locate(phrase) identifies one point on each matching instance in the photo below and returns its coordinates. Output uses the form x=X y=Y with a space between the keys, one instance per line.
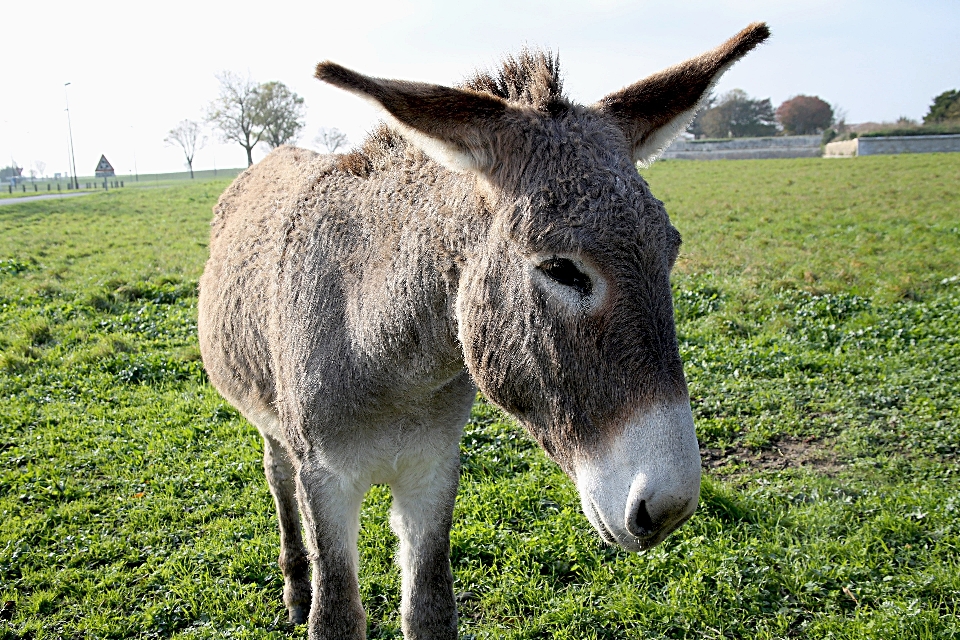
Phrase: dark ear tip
x=326 y=70
x=342 y=77
x=756 y=32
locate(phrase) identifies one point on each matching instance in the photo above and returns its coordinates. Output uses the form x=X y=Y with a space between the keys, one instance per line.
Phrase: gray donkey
x=493 y=236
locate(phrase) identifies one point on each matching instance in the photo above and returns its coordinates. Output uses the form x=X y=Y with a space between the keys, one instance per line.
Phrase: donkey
x=493 y=236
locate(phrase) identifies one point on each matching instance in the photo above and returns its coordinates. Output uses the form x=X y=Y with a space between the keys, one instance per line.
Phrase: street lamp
x=73 y=162
x=133 y=137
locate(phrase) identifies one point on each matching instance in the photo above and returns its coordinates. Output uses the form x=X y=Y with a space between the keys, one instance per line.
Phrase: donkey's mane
x=531 y=77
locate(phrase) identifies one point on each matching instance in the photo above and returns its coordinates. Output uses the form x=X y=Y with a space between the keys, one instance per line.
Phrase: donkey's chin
x=646 y=481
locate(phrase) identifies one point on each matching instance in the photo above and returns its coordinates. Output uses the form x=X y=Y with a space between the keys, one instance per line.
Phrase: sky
x=137 y=69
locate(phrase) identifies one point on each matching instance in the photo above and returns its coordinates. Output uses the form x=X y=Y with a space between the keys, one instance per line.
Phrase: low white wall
x=841 y=149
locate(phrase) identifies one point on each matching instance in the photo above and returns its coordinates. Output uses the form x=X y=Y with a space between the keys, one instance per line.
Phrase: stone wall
x=745 y=148
x=893 y=145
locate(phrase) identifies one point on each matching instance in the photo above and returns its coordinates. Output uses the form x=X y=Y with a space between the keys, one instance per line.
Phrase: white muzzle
x=647 y=482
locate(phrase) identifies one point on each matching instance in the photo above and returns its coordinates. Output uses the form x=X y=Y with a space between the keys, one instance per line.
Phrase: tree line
x=737 y=115
x=250 y=113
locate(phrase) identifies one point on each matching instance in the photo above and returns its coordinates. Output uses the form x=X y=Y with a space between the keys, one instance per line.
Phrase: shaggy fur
x=352 y=305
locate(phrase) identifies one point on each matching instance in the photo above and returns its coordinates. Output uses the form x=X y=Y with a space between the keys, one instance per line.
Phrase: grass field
x=818 y=309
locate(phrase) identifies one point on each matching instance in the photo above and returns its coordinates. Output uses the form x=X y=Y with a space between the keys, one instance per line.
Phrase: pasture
x=818 y=306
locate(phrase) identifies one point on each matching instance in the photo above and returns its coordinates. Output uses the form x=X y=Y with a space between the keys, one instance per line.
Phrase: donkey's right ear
x=455 y=127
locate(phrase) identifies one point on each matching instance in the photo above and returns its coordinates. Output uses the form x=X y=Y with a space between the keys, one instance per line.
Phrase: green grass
x=818 y=304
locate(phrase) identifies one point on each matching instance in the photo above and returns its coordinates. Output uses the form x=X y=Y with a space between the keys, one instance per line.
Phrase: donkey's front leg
x=330 y=509
x=421 y=516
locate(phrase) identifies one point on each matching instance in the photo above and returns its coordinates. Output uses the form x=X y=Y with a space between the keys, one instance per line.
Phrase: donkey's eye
x=566 y=273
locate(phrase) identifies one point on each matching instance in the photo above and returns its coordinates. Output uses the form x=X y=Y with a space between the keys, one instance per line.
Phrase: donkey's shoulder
x=275 y=184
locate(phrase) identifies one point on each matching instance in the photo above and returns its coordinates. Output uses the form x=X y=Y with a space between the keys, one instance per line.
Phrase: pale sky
x=136 y=70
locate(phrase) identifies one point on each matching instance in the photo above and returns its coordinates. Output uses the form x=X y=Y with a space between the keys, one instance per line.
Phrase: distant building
x=104 y=168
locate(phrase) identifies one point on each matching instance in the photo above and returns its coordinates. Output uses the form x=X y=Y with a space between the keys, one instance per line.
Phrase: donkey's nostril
x=641 y=524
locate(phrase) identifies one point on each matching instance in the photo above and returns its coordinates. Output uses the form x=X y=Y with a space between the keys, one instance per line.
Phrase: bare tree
x=235 y=112
x=280 y=112
x=187 y=135
x=331 y=139
x=40 y=166
x=696 y=127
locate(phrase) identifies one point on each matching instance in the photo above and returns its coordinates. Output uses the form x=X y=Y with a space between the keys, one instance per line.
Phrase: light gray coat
x=496 y=236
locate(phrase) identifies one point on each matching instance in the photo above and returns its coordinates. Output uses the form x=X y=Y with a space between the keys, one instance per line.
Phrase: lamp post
x=73 y=162
x=133 y=138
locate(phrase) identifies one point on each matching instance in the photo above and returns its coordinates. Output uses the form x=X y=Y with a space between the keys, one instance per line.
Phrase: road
x=46 y=196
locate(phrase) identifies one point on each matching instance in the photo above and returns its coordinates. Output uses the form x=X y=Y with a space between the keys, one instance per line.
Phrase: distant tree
x=736 y=115
x=235 y=112
x=331 y=139
x=946 y=106
x=13 y=171
x=40 y=166
x=696 y=127
x=804 y=115
x=280 y=113
x=187 y=135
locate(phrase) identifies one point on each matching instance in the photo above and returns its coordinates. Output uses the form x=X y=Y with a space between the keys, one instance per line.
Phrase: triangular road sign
x=104 y=168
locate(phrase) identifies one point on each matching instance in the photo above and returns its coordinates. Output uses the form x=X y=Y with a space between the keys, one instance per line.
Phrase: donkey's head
x=564 y=310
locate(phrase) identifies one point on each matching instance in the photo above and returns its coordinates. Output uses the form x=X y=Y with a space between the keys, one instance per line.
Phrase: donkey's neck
x=418 y=225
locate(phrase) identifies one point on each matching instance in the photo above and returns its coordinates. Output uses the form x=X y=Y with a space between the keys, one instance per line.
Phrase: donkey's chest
x=405 y=450
x=400 y=442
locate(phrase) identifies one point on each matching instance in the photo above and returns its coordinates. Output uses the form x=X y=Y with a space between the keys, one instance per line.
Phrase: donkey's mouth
x=599 y=524
x=630 y=543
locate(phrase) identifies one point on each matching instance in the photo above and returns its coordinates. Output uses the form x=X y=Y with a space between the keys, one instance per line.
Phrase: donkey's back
x=239 y=284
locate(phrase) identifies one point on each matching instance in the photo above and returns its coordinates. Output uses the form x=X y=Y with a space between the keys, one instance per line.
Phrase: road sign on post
x=104 y=168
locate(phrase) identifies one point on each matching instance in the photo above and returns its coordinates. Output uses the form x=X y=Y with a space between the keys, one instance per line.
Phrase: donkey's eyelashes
x=563 y=271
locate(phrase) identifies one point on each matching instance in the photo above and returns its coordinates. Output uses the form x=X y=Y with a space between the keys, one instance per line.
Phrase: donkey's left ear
x=456 y=127
x=655 y=110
